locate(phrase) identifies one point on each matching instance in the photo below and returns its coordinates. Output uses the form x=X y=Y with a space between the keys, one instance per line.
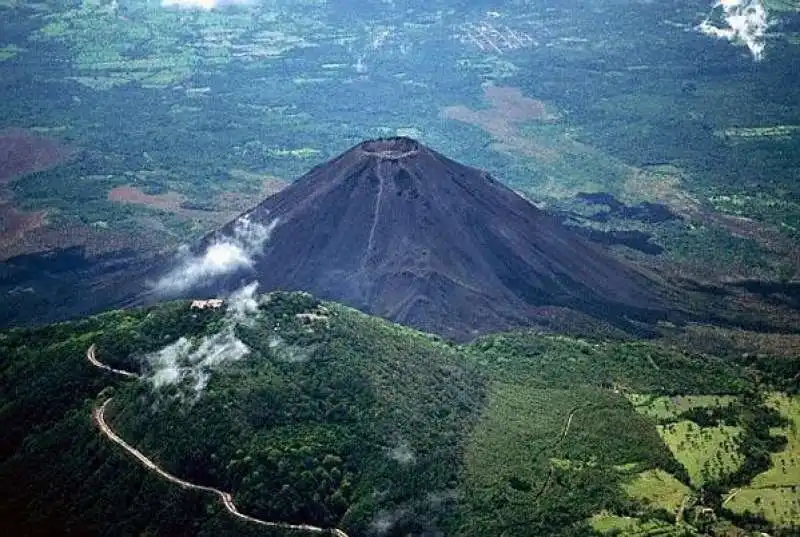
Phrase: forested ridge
x=337 y=419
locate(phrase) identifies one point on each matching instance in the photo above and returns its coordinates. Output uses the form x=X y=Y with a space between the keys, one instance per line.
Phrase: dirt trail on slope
x=561 y=438
x=550 y=471
x=98 y=415
x=568 y=424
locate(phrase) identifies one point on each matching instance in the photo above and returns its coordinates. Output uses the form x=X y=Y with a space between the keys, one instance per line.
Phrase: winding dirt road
x=98 y=415
x=90 y=355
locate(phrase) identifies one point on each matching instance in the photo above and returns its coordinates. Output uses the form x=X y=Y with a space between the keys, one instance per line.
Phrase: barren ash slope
x=396 y=229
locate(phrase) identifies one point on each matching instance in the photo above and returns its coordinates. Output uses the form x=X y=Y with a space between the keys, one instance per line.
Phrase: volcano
x=395 y=229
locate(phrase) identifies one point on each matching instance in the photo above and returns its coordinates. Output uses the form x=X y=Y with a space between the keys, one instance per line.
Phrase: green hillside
x=313 y=413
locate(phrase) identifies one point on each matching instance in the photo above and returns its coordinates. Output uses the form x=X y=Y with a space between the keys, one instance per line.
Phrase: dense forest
x=314 y=413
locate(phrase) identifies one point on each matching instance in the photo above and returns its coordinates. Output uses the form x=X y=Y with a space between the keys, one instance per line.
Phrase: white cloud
x=223 y=256
x=212 y=351
x=165 y=363
x=402 y=453
x=202 y=4
x=187 y=362
x=386 y=520
x=742 y=21
x=243 y=304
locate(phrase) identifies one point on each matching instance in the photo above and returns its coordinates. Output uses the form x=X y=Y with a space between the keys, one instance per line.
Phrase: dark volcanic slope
x=398 y=230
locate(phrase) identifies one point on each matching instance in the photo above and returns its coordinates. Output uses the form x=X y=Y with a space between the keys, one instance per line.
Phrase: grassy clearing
x=657 y=488
x=607 y=523
x=707 y=453
x=668 y=408
x=785 y=470
x=775 y=493
x=781 y=506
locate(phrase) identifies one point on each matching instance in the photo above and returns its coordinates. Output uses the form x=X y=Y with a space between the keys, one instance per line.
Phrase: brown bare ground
x=14 y=224
x=393 y=244
x=95 y=241
x=22 y=152
x=509 y=108
x=171 y=201
x=27 y=233
x=227 y=205
x=515 y=106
